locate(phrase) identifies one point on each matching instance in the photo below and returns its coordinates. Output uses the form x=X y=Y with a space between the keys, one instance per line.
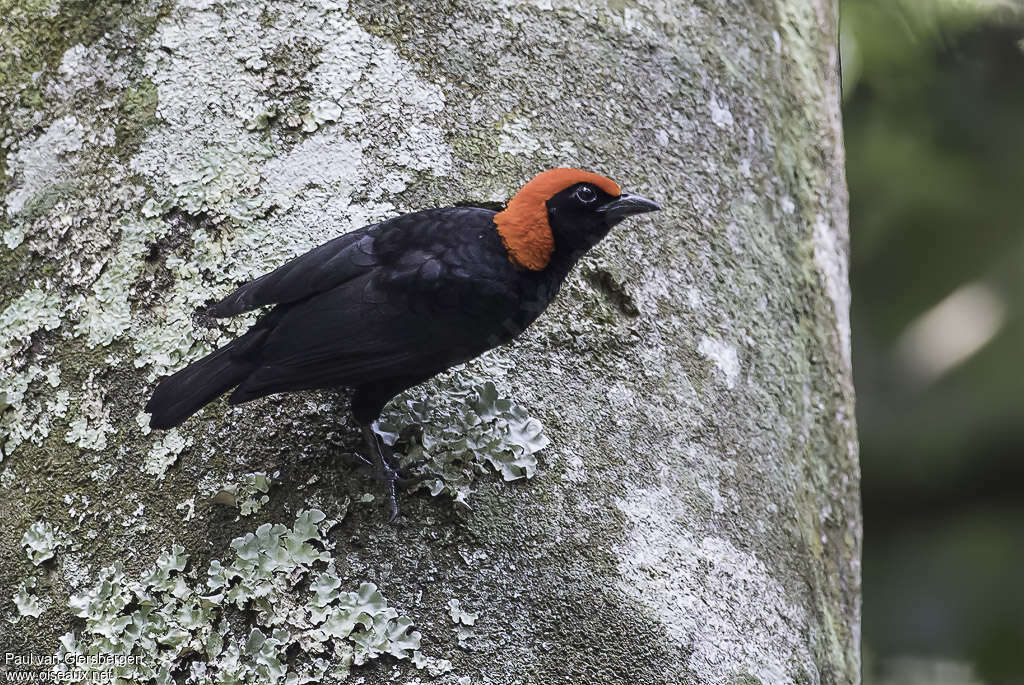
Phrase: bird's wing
x=320 y=269
x=349 y=256
x=429 y=306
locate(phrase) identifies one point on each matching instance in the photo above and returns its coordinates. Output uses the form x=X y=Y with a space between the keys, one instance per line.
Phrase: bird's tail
x=181 y=395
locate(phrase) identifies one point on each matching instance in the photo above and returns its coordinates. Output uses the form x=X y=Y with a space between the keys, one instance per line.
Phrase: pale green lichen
x=28 y=603
x=165 y=452
x=27 y=412
x=90 y=425
x=224 y=179
x=464 y=431
x=433 y=665
x=234 y=165
x=515 y=138
x=41 y=163
x=459 y=616
x=40 y=542
x=320 y=113
x=249 y=494
x=306 y=627
x=107 y=313
x=464 y=622
x=86 y=436
x=36 y=309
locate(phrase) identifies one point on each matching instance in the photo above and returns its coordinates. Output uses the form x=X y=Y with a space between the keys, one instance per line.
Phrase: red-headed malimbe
x=388 y=306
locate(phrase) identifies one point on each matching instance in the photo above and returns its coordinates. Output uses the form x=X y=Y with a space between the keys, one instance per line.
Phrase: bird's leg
x=388 y=469
x=385 y=464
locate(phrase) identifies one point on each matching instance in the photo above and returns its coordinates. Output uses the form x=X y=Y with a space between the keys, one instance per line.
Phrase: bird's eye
x=586 y=194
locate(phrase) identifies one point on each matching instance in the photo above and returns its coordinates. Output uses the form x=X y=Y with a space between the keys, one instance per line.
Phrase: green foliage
x=934 y=142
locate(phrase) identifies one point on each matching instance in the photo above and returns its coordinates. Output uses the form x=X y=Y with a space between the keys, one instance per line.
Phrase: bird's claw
x=363 y=459
x=394 y=501
x=410 y=480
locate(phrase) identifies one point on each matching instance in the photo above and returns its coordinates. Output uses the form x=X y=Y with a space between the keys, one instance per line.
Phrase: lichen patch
x=703 y=592
x=830 y=258
x=27 y=602
x=41 y=163
x=40 y=542
x=217 y=162
x=307 y=627
x=466 y=430
x=34 y=310
x=164 y=452
x=724 y=357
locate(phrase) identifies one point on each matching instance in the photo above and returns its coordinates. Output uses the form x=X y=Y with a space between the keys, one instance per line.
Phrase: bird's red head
x=565 y=196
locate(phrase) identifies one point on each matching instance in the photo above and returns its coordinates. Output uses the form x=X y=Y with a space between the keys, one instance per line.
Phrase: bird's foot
x=409 y=480
x=386 y=467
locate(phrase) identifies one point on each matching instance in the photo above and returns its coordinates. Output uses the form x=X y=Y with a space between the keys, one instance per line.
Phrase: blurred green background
x=934 y=121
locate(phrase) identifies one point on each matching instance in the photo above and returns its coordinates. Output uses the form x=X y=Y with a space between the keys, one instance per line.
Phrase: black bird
x=391 y=305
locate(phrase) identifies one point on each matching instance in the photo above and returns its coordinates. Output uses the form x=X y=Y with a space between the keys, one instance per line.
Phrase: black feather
x=184 y=393
x=379 y=310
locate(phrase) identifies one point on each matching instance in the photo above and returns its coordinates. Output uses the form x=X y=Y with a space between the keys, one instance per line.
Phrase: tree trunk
x=658 y=481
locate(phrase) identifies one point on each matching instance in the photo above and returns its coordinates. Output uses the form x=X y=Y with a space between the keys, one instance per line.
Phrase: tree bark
x=660 y=480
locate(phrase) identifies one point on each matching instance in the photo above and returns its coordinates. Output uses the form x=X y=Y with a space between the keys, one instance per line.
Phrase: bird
x=386 y=307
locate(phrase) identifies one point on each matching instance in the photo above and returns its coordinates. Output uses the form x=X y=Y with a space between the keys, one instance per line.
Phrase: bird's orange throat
x=523 y=225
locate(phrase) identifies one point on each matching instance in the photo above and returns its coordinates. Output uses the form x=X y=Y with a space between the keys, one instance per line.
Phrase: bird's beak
x=628 y=204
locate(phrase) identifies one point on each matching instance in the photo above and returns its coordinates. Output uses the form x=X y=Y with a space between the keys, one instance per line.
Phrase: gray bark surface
x=689 y=512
